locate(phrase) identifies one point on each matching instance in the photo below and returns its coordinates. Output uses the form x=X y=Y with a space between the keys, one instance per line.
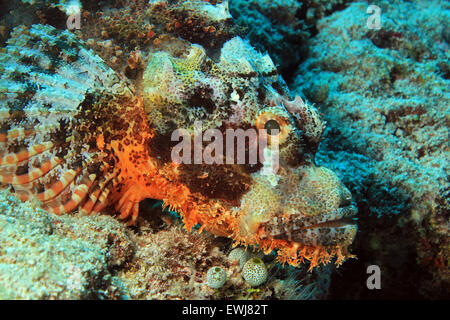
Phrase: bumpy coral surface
x=385 y=95
x=255 y=272
x=78 y=135
x=282 y=27
x=216 y=277
x=173 y=263
x=43 y=256
x=273 y=26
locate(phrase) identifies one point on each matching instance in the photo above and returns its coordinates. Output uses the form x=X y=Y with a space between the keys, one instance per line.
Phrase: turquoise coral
x=387 y=109
x=216 y=277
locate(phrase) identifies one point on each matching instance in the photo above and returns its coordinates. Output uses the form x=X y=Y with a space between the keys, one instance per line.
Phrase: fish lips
x=338 y=227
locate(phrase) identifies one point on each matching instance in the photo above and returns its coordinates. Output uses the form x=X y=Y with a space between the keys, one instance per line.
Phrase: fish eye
x=272 y=127
x=276 y=122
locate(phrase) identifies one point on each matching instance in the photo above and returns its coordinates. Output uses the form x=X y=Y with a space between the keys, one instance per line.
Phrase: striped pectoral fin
x=78 y=195
x=58 y=187
x=102 y=201
x=12 y=159
x=20 y=134
x=34 y=174
x=26 y=192
x=97 y=193
x=13 y=134
x=91 y=201
x=71 y=191
x=23 y=192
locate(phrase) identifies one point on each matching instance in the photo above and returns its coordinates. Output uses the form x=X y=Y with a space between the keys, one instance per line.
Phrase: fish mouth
x=336 y=227
x=345 y=216
x=339 y=223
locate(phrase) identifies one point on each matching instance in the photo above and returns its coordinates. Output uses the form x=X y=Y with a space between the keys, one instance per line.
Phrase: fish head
x=280 y=198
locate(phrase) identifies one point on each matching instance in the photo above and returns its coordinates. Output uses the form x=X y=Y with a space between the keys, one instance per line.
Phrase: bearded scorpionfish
x=77 y=135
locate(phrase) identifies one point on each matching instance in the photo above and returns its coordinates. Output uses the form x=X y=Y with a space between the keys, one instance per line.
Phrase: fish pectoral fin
x=128 y=204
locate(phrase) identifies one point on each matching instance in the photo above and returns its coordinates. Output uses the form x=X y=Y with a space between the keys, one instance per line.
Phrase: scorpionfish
x=76 y=135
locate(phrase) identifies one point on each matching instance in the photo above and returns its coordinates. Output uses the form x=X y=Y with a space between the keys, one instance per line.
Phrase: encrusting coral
x=385 y=95
x=43 y=256
x=77 y=135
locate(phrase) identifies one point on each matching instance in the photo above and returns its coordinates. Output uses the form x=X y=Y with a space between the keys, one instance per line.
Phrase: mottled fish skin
x=76 y=136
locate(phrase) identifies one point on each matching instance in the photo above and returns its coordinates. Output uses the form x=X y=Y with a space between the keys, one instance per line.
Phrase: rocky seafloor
x=385 y=96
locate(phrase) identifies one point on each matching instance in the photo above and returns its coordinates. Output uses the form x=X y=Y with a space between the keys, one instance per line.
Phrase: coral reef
x=43 y=256
x=282 y=27
x=173 y=264
x=273 y=26
x=385 y=98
